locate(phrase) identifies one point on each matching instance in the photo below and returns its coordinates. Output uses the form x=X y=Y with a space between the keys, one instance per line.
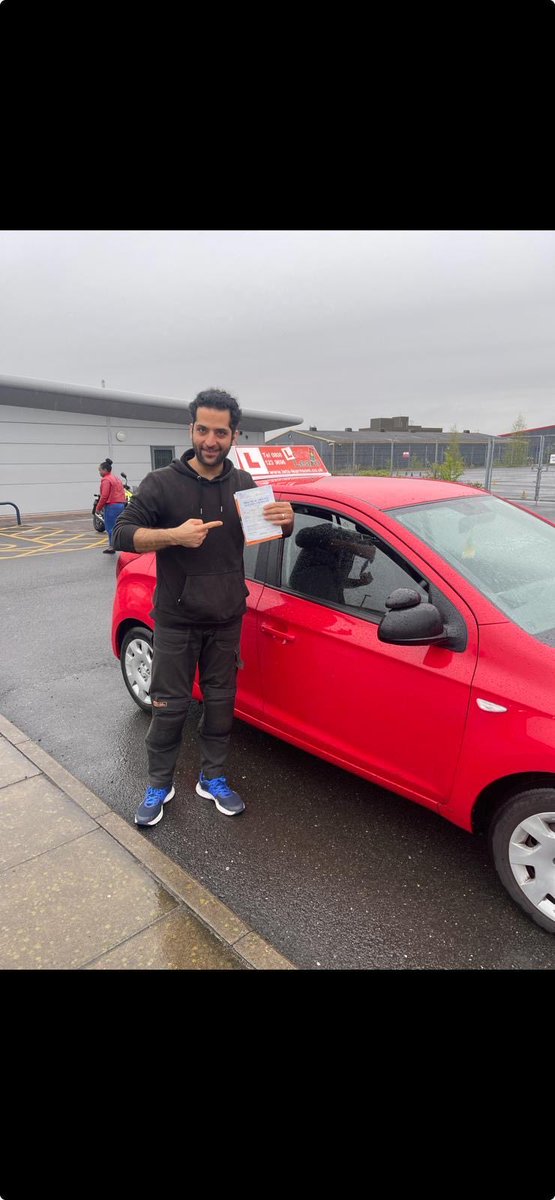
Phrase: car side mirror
x=410 y=622
x=403 y=598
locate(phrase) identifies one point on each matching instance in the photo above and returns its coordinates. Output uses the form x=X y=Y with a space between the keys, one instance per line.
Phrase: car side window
x=336 y=561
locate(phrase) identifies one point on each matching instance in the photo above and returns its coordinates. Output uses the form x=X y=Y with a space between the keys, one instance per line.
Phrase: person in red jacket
x=112 y=499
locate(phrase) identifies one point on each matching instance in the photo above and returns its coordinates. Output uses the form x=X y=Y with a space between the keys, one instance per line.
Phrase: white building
x=54 y=435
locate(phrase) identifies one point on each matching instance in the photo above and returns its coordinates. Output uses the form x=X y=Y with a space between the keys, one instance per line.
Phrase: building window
x=161 y=456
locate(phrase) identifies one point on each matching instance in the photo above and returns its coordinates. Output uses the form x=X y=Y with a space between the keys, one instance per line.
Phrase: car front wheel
x=136 y=661
x=522 y=841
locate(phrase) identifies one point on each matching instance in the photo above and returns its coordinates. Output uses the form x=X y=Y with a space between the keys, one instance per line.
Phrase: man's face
x=212 y=435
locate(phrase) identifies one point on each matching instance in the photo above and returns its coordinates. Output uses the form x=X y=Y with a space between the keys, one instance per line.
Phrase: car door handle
x=278 y=634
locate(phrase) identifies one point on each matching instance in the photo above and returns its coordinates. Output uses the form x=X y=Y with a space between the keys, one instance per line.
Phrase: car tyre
x=135 y=661
x=522 y=843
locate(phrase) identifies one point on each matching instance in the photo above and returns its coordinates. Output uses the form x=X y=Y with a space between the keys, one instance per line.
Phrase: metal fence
x=391 y=455
x=520 y=467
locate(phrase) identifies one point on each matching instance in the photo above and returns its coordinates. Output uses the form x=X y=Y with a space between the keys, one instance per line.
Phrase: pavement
x=82 y=890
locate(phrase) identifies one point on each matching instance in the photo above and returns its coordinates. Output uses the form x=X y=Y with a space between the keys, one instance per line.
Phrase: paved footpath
x=80 y=889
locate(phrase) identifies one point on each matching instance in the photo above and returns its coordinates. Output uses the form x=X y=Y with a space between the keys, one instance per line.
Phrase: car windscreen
x=505 y=552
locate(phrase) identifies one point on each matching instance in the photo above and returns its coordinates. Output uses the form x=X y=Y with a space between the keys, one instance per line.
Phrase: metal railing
x=12 y=505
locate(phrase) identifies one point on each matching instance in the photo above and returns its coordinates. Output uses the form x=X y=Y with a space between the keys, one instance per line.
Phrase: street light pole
x=489 y=465
x=332 y=444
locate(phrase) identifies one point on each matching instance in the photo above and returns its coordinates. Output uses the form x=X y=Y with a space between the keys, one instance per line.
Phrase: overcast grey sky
x=445 y=327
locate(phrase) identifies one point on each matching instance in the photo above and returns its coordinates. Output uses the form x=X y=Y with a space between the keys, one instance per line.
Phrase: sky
x=454 y=328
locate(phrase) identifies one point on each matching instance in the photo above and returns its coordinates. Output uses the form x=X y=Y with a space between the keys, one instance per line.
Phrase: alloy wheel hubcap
x=138 y=662
x=532 y=861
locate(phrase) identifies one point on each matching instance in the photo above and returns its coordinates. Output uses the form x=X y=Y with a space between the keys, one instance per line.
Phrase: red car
x=404 y=632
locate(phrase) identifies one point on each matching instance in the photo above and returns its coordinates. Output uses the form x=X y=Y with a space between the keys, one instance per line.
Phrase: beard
x=212 y=460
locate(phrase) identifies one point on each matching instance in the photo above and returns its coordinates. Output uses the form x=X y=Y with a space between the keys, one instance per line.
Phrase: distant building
x=528 y=446
x=539 y=431
x=398 y=425
x=350 y=450
x=54 y=435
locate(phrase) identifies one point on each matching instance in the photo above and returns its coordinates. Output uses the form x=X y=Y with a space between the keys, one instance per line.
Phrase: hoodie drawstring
x=199 y=478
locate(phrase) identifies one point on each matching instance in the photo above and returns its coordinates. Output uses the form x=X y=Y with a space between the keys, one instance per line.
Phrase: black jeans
x=177 y=651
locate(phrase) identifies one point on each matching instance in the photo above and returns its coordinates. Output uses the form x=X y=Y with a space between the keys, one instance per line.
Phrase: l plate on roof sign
x=278 y=461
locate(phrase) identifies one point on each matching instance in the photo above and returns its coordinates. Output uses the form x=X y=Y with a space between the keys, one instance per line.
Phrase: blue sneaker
x=226 y=800
x=151 y=811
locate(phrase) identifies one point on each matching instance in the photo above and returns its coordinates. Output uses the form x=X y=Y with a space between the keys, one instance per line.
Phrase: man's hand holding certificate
x=261 y=516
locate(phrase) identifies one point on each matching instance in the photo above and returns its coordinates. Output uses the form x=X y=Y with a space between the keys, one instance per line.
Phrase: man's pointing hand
x=193 y=532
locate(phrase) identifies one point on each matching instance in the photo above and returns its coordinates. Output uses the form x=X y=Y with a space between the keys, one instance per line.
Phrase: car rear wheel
x=522 y=841
x=136 y=660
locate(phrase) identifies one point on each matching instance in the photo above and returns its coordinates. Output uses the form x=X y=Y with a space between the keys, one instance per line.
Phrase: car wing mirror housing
x=410 y=622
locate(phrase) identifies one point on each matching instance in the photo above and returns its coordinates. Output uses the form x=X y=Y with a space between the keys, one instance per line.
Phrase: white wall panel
x=46 y=416
x=37 y=498
x=50 y=435
x=49 y=459
x=29 y=454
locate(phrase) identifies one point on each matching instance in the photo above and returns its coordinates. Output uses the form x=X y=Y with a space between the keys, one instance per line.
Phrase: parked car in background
x=406 y=633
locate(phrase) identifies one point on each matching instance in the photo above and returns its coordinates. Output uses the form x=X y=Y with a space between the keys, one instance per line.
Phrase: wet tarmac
x=333 y=872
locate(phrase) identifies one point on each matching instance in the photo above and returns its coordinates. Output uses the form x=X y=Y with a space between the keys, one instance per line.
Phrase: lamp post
x=332 y=444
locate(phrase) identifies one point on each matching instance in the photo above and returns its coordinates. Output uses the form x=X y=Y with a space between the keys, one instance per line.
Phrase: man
x=186 y=512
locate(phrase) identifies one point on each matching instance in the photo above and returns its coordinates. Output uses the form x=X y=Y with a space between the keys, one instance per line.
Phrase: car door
x=393 y=713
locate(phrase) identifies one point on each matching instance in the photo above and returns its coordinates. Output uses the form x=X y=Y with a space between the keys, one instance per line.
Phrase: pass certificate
x=250 y=503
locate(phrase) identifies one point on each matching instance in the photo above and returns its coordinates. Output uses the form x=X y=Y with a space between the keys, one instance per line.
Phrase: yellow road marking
x=47 y=550
x=21 y=545
x=52 y=550
x=74 y=537
x=20 y=537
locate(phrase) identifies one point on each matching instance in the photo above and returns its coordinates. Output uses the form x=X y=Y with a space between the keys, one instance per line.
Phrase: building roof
x=373 y=435
x=549 y=429
x=68 y=397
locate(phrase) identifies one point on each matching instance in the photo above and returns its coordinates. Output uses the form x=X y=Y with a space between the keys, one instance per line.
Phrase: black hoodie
x=205 y=585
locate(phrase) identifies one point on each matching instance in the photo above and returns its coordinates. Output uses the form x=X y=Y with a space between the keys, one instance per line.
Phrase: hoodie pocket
x=212 y=599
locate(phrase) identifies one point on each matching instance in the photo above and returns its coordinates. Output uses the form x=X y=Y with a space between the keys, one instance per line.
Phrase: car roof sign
x=278 y=462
